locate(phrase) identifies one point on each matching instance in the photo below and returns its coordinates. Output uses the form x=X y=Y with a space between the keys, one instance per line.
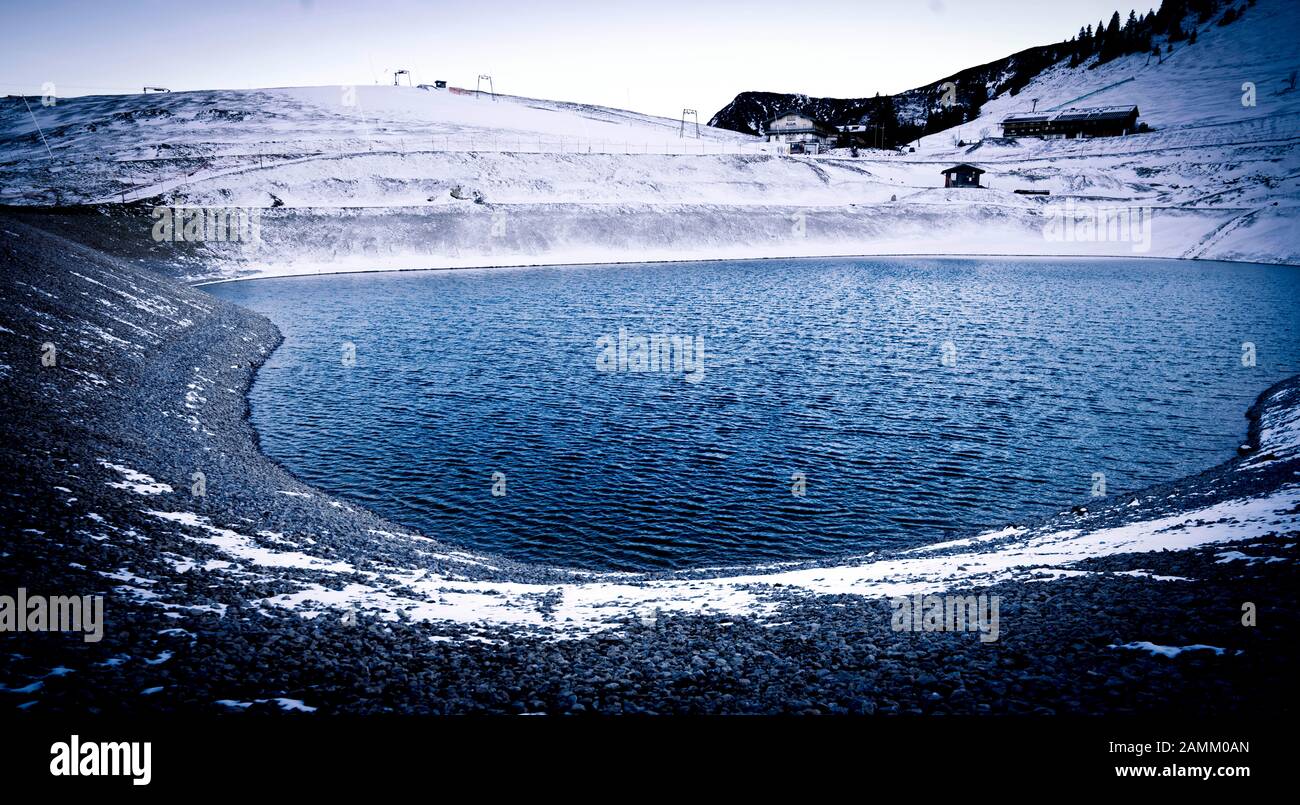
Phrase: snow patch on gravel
x=1168 y=651
x=285 y=704
x=242 y=546
x=135 y=481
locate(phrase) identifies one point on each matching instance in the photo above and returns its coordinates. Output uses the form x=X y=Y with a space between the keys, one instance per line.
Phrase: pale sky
x=655 y=57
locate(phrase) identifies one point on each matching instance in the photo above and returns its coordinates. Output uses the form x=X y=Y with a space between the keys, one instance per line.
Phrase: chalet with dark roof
x=962 y=175
x=800 y=130
x=1090 y=121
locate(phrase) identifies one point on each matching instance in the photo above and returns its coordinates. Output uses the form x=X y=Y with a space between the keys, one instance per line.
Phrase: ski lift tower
x=397 y=73
x=694 y=116
x=478 y=88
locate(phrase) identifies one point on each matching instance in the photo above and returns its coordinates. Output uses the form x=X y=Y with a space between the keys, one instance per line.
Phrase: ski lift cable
x=38 y=127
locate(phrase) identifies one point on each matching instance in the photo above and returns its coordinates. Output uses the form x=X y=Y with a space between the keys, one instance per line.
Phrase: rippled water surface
x=830 y=368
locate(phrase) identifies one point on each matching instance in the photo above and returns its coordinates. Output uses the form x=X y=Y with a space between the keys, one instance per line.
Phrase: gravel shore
x=149 y=387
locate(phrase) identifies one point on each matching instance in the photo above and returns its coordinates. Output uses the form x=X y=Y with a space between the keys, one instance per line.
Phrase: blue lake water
x=917 y=399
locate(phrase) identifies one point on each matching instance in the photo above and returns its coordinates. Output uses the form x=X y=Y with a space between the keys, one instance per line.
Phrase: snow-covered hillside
x=133 y=146
x=393 y=177
x=1197 y=85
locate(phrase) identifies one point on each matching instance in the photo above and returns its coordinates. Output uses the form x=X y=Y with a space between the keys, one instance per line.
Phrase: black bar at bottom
x=298 y=754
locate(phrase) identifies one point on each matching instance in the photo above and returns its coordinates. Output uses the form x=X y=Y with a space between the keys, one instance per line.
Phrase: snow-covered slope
x=393 y=177
x=135 y=146
x=1197 y=85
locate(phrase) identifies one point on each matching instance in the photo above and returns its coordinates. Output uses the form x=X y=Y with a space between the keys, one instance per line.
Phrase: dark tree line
x=1138 y=34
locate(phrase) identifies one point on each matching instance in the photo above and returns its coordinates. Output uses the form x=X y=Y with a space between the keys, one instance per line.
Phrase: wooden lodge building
x=1095 y=121
x=803 y=132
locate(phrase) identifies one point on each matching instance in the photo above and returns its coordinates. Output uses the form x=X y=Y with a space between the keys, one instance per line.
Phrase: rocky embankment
x=261 y=593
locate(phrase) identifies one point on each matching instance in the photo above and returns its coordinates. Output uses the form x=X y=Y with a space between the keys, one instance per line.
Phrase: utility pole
x=696 y=117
